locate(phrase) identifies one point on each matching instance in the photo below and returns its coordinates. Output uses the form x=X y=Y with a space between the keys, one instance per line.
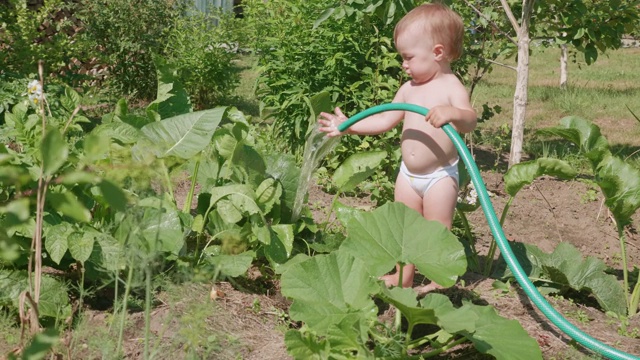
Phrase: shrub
x=28 y=35
x=125 y=35
x=203 y=54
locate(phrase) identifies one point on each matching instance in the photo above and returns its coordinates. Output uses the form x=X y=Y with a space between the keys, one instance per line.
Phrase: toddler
x=428 y=38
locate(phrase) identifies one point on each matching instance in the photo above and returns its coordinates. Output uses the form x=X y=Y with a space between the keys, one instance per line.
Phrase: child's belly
x=425 y=153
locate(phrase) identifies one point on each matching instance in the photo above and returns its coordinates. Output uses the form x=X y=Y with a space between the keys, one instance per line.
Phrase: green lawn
x=599 y=93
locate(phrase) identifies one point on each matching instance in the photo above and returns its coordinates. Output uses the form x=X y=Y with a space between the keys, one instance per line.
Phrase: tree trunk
x=522 y=82
x=520 y=100
x=564 y=57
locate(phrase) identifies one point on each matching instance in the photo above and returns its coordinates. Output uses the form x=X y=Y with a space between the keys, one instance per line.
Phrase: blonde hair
x=439 y=23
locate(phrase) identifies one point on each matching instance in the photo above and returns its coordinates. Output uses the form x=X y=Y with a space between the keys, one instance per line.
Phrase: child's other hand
x=440 y=115
x=329 y=122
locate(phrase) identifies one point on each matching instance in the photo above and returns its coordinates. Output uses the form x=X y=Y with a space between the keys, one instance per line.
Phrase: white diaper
x=422 y=183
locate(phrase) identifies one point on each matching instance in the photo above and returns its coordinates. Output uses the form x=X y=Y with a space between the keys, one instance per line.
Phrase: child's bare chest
x=428 y=95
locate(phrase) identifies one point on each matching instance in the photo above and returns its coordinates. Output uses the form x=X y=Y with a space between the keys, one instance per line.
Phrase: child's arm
x=460 y=113
x=372 y=125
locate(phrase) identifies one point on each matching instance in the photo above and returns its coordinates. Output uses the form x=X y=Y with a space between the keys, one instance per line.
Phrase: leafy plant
x=52 y=203
x=618 y=180
x=520 y=175
x=331 y=295
x=125 y=36
x=31 y=34
x=565 y=269
x=203 y=56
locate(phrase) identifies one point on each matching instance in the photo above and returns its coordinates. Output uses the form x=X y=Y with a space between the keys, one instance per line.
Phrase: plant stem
x=444 y=348
x=635 y=299
x=398 y=322
x=330 y=210
x=167 y=179
x=625 y=270
x=127 y=289
x=147 y=310
x=115 y=299
x=472 y=243
x=187 y=203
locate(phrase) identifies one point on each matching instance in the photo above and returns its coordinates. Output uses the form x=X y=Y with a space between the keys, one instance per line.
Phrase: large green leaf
x=502 y=338
x=81 y=245
x=39 y=347
x=434 y=309
x=584 y=134
x=279 y=248
x=107 y=253
x=394 y=233
x=620 y=184
x=184 y=135
x=113 y=194
x=327 y=289
x=233 y=265
x=357 y=168
x=451 y=319
x=172 y=98
x=162 y=229
x=524 y=173
x=68 y=204
x=247 y=165
x=54 y=299
x=54 y=152
x=240 y=196
x=119 y=131
x=284 y=169
x=95 y=147
x=305 y=346
x=57 y=240
x=268 y=194
x=567 y=267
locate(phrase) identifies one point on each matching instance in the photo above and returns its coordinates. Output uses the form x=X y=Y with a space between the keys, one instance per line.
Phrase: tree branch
x=493 y=24
x=500 y=64
x=512 y=19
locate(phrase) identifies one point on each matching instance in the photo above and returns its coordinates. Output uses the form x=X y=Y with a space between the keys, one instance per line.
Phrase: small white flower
x=472 y=198
x=34 y=89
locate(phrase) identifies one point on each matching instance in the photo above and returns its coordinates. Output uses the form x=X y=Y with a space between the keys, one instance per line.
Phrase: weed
x=256 y=306
x=580 y=316
x=590 y=195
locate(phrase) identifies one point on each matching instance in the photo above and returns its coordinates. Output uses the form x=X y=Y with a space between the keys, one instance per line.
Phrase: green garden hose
x=531 y=291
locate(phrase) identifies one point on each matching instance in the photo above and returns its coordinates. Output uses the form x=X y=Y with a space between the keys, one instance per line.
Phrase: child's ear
x=438 y=52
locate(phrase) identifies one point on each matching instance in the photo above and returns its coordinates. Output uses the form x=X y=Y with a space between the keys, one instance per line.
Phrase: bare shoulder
x=455 y=85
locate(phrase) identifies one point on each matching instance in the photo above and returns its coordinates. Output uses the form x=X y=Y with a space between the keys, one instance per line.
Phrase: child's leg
x=439 y=204
x=405 y=194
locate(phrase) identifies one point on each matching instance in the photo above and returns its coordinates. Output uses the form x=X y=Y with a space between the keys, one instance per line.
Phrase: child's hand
x=329 y=122
x=440 y=115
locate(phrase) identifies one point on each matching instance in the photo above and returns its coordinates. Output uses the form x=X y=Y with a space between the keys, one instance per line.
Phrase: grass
x=185 y=327
x=599 y=93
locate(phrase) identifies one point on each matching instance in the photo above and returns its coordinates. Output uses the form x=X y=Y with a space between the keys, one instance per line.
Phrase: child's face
x=418 y=55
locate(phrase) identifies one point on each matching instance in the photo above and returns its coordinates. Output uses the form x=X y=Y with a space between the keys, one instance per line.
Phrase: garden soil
x=544 y=213
x=249 y=317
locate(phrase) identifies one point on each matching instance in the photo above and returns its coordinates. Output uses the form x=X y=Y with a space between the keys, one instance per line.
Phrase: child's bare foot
x=421 y=290
x=392 y=280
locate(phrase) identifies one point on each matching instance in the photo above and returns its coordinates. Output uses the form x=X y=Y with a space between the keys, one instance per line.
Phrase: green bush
x=28 y=35
x=354 y=61
x=125 y=35
x=203 y=55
